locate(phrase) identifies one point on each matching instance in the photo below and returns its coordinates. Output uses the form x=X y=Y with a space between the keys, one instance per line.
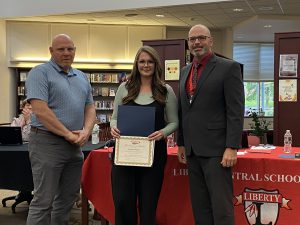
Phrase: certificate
x=288 y=90
x=134 y=151
x=172 y=69
x=288 y=65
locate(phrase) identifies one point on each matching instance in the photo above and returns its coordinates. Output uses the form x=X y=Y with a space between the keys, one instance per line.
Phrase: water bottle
x=170 y=141
x=95 y=134
x=287 y=148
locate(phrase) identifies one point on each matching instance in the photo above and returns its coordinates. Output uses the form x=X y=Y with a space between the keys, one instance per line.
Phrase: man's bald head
x=62 y=51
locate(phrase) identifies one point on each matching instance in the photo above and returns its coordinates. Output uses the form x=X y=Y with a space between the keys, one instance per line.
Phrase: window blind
x=258 y=60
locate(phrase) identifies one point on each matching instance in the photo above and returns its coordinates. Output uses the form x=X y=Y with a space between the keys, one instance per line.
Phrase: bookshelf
x=104 y=82
x=21 y=95
x=104 y=87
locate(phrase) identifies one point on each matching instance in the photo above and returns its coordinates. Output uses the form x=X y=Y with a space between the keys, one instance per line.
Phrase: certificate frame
x=172 y=69
x=134 y=151
x=288 y=65
x=287 y=89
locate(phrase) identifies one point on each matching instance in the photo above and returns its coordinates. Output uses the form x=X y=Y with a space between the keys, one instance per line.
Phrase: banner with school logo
x=262 y=207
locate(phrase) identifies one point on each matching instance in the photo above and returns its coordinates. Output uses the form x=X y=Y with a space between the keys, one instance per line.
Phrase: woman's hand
x=156 y=136
x=115 y=132
x=26 y=113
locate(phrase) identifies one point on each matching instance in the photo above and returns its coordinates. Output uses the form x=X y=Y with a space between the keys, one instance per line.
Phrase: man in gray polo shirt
x=62 y=120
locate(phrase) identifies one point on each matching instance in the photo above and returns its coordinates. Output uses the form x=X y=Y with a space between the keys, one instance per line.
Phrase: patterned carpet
x=19 y=218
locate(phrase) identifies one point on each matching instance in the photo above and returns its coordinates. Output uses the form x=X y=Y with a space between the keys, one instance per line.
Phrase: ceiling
x=251 y=20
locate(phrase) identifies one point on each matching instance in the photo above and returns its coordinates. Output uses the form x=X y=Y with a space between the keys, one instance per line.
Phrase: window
x=258 y=61
x=259 y=95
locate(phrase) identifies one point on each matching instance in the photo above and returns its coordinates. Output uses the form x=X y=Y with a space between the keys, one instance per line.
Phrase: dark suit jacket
x=214 y=119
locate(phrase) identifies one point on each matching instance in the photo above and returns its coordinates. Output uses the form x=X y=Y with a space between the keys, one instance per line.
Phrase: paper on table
x=261 y=149
x=241 y=153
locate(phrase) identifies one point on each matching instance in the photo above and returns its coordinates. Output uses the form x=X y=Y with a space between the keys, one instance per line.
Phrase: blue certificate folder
x=136 y=120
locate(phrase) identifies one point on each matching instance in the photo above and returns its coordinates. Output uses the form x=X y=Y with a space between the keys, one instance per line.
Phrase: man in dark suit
x=211 y=112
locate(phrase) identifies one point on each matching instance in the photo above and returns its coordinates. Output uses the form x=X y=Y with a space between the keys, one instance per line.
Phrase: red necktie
x=195 y=76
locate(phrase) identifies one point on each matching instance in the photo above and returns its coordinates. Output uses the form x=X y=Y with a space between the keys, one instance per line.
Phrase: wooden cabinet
x=286 y=113
x=104 y=87
x=171 y=49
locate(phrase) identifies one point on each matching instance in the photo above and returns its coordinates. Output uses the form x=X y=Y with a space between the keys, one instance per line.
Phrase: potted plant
x=259 y=127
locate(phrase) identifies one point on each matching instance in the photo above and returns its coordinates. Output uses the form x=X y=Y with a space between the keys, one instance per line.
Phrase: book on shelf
x=112 y=92
x=21 y=90
x=95 y=78
x=23 y=76
x=95 y=91
x=105 y=78
x=101 y=118
x=122 y=77
x=105 y=91
x=109 y=105
x=88 y=75
x=114 y=78
x=108 y=117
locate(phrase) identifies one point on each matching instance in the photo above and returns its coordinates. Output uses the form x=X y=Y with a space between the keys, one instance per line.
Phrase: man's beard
x=200 y=53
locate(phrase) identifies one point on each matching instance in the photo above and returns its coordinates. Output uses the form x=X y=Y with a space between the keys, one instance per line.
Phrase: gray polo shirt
x=66 y=94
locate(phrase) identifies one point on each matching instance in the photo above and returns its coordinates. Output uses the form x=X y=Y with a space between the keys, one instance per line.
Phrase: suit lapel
x=185 y=75
x=205 y=74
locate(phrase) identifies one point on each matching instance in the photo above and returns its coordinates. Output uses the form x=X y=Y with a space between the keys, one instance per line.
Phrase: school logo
x=262 y=206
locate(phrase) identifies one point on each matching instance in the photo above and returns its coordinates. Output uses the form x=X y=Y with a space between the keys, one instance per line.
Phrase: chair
x=22 y=196
x=253 y=140
x=104 y=134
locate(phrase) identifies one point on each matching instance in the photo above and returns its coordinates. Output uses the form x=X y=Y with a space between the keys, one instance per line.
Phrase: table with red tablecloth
x=266 y=188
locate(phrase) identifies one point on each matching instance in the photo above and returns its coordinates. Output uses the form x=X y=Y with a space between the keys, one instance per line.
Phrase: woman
x=23 y=120
x=141 y=186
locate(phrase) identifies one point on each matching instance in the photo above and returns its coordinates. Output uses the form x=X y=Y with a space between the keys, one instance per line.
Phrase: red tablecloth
x=266 y=189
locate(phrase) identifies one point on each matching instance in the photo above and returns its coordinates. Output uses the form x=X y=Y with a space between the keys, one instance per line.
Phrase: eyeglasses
x=146 y=63
x=200 y=38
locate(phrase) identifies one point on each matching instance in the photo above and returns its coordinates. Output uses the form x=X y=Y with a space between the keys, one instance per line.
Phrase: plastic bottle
x=287 y=148
x=170 y=141
x=95 y=134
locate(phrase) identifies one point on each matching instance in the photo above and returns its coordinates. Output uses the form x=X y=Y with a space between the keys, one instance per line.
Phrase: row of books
x=94 y=77
x=104 y=105
x=104 y=91
x=21 y=90
x=104 y=118
x=107 y=77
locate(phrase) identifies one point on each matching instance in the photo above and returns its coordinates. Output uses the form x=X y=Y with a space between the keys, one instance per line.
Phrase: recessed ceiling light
x=267 y=26
x=160 y=15
x=237 y=10
x=131 y=14
x=240 y=36
x=265 y=8
x=91 y=20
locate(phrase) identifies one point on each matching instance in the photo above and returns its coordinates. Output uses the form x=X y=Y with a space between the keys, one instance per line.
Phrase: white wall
x=102 y=43
x=7 y=81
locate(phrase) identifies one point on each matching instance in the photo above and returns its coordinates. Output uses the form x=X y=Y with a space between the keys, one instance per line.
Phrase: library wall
x=7 y=81
x=29 y=40
x=79 y=34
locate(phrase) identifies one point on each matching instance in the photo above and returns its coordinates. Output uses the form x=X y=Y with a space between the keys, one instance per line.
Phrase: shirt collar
x=204 y=59
x=71 y=72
